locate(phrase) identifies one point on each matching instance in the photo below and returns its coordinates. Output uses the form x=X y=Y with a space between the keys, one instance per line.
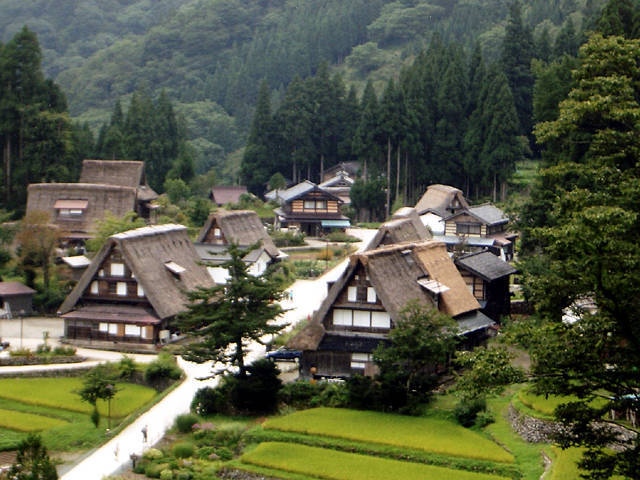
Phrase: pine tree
x=225 y=317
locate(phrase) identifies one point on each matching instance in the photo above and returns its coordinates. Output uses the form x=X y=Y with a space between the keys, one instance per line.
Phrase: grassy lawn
x=427 y=434
x=59 y=415
x=332 y=465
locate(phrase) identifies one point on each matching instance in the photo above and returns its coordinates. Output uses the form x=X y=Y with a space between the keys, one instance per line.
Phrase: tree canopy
x=222 y=319
x=582 y=229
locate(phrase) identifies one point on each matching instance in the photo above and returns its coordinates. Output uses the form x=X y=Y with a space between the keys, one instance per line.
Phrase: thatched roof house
x=443 y=200
x=222 y=195
x=115 y=186
x=134 y=287
x=404 y=226
x=76 y=207
x=242 y=228
x=368 y=299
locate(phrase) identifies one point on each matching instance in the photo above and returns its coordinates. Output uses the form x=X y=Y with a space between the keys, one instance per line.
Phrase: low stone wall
x=533 y=430
x=22 y=360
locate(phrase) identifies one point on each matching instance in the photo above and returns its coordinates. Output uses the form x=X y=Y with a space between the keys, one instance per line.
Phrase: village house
x=223 y=195
x=352 y=169
x=339 y=186
x=242 y=228
x=437 y=203
x=404 y=226
x=465 y=228
x=16 y=300
x=367 y=301
x=115 y=186
x=488 y=278
x=135 y=286
x=308 y=208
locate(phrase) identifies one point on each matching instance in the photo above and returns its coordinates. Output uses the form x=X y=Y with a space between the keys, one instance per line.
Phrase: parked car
x=284 y=355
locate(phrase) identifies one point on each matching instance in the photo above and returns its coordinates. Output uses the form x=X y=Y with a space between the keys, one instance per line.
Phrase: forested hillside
x=209 y=56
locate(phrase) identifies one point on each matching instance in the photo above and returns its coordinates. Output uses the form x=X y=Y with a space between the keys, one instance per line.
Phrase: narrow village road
x=114 y=456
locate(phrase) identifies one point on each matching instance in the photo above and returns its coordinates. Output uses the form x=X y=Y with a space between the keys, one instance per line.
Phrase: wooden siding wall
x=361 y=283
x=90 y=330
x=476 y=285
x=331 y=205
x=327 y=364
x=451 y=226
x=211 y=237
x=107 y=283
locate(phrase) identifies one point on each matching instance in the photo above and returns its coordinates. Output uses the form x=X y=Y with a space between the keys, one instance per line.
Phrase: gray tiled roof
x=486 y=265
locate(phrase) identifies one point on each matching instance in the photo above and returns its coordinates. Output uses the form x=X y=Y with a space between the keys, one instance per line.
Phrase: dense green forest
x=209 y=56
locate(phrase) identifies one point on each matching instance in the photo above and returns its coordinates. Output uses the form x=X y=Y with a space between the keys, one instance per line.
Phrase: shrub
x=224 y=453
x=64 y=351
x=303 y=394
x=257 y=392
x=209 y=401
x=466 y=411
x=205 y=453
x=153 y=470
x=183 y=450
x=152 y=454
x=43 y=349
x=126 y=367
x=340 y=236
x=307 y=268
x=21 y=352
x=162 y=371
x=166 y=474
x=185 y=422
x=484 y=418
x=288 y=238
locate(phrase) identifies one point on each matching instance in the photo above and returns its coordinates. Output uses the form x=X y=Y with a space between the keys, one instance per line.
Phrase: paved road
x=115 y=454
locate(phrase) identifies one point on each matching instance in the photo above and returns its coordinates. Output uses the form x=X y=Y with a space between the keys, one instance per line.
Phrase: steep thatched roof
x=242 y=227
x=164 y=263
x=442 y=200
x=221 y=195
x=439 y=267
x=97 y=201
x=398 y=274
x=405 y=226
x=126 y=173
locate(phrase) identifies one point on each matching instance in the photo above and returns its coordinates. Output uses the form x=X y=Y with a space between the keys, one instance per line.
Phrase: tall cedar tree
x=224 y=318
x=517 y=53
x=294 y=119
x=35 y=130
x=587 y=249
x=257 y=161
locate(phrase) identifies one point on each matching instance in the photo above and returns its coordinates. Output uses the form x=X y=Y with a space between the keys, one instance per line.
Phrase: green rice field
x=62 y=393
x=333 y=465
x=427 y=434
x=53 y=408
